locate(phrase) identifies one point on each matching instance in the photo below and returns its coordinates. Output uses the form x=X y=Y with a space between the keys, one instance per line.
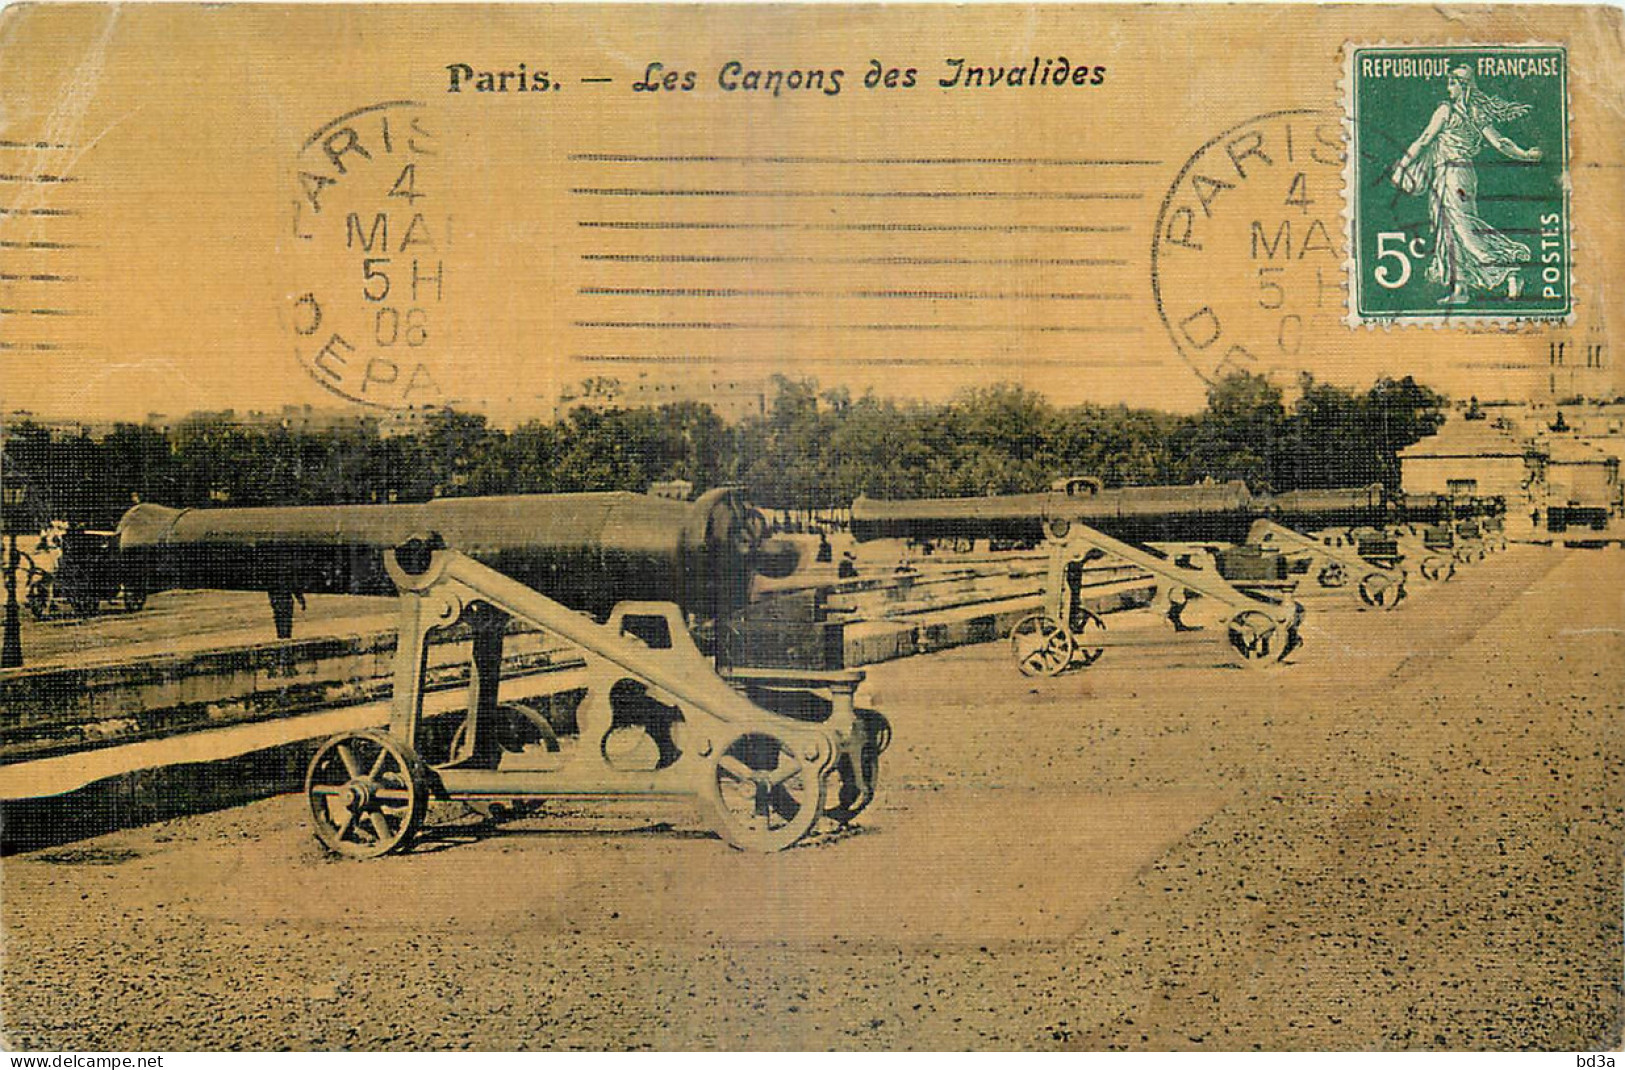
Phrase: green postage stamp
x=1457 y=183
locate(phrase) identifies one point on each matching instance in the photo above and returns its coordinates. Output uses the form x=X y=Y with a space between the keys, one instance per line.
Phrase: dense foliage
x=812 y=449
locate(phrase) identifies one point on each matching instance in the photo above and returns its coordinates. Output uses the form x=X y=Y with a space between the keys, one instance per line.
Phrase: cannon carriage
x=1240 y=557
x=634 y=584
x=1363 y=562
x=1441 y=533
x=1176 y=536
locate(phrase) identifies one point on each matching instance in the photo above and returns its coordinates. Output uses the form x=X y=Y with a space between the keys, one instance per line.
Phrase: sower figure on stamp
x=1467 y=251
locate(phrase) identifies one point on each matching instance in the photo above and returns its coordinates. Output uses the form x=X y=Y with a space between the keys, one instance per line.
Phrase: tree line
x=811 y=449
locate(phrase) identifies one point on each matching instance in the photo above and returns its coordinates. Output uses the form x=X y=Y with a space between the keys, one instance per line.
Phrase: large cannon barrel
x=1218 y=512
x=1335 y=507
x=587 y=551
x=1208 y=511
x=1017 y=517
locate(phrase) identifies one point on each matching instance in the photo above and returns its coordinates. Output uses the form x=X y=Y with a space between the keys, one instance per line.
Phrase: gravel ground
x=1411 y=838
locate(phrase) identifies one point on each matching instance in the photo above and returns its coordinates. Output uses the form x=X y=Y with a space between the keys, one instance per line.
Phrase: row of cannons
x=685 y=683
x=1220 y=561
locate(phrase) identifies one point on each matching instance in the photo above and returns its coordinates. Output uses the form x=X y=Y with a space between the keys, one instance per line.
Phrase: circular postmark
x=1247 y=258
x=371 y=227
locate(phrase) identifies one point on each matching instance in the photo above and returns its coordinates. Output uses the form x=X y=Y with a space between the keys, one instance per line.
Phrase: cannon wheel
x=1042 y=647
x=367 y=794
x=1089 y=624
x=763 y=796
x=1333 y=574
x=1381 y=590
x=133 y=599
x=1259 y=638
x=853 y=795
x=1438 y=569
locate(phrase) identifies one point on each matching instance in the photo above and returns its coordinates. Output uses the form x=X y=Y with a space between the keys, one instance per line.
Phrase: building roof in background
x=1574 y=451
x=1466 y=438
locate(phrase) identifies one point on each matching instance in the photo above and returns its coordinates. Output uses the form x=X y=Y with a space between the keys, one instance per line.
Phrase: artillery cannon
x=1213 y=511
x=1336 y=557
x=624 y=578
x=1458 y=529
x=1171 y=533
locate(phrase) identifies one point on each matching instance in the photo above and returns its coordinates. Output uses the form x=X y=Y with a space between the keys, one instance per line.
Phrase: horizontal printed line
x=38 y=278
x=901 y=295
x=885 y=161
x=39 y=245
x=37 y=212
x=949 y=328
x=41 y=179
x=31 y=347
x=867 y=361
x=911 y=228
x=701 y=258
x=38 y=312
x=1495 y=365
x=5 y=144
x=596 y=81
x=859 y=194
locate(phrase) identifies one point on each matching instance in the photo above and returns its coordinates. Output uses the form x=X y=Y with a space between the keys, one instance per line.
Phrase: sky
x=254 y=206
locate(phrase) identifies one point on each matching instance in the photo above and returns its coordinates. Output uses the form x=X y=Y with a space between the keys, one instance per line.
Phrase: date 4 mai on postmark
x=1457 y=183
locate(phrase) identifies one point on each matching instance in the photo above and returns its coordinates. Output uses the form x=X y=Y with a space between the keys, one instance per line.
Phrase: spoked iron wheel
x=1438 y=569
x=1333 y=574
x=1381 y=590
x=1042 y=647
x=1258 y=638
x=764 y=796
x=367 y=794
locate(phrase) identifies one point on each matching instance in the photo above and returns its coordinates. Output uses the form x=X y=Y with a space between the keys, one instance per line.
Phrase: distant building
x=1467 y=459
x=309 y=418
x=298 y=419
x=681 y=490
x=411 y=420
x=733 y=398
x=58 y=426
x=1577 y=473
x=1580 y=367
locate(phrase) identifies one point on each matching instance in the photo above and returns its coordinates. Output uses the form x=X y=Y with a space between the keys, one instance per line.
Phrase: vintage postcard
x=800 y=527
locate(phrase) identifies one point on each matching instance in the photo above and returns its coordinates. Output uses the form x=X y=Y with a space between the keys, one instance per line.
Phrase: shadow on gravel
x=434 y=838
x=90 y=856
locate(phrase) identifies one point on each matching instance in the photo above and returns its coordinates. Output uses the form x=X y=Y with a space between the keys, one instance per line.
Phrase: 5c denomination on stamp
x=1457 y=183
